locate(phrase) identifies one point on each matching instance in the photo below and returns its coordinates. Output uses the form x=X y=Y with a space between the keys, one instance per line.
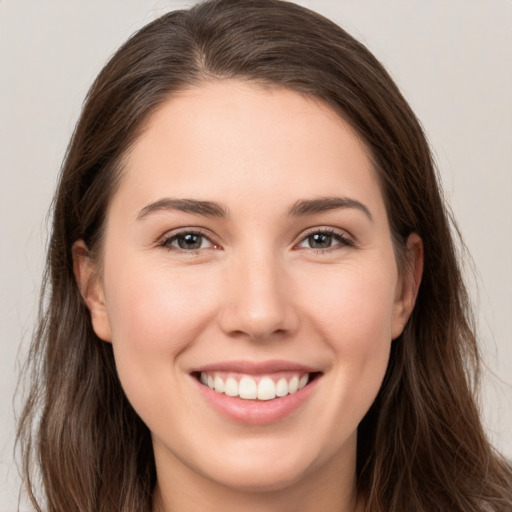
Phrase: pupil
x=190 y=241
x=320 y=240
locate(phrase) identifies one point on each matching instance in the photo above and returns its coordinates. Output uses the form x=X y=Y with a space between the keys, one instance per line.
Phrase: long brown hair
x=421 y=447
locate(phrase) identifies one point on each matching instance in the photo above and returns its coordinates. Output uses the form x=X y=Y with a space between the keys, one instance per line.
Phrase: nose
x=259 y=303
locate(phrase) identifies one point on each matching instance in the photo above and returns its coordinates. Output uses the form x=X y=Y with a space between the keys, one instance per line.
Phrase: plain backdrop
x=451 y=58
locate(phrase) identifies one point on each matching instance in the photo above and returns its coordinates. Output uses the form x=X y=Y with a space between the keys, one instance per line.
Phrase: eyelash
x=339 y=236
x=166 y=243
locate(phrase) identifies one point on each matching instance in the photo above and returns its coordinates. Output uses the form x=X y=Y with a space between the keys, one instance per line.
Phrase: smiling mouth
x=256 y=387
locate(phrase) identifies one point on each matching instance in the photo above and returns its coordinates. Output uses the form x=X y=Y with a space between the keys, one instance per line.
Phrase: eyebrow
x=324 y=204
x=212 y=209
x=206 y=208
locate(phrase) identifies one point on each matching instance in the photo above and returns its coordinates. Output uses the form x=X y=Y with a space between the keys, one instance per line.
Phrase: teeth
x=231 y=387
x=282 y=387
x=218 y=384
x=293 y=385
x=248 y=388
x=266 y=389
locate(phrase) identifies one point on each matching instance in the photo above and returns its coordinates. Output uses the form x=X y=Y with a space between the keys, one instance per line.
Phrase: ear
x=91 y=288
x=408 y=284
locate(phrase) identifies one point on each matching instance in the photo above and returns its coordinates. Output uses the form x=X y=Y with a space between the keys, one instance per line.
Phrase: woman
x=254 y=297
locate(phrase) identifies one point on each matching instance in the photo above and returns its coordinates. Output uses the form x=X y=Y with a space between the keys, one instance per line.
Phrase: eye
x=187 y=241
x=325 y=239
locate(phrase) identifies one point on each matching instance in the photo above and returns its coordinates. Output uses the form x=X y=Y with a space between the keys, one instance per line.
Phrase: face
x=249 y=286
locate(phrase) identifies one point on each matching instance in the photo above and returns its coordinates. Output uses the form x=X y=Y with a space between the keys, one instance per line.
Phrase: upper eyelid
x=325 y=229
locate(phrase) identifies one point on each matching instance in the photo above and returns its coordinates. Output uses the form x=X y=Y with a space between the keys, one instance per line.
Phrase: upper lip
x=256 y=367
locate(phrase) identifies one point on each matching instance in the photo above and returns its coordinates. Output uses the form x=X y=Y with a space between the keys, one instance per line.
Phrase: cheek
x=353 y=306
x=155 y=313
x=353 y=314
x=153 y=308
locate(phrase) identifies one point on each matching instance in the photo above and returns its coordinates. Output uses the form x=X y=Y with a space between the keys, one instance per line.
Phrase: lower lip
x=257 y=412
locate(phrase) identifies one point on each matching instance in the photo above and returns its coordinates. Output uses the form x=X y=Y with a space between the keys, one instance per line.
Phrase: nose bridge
x=258 y=303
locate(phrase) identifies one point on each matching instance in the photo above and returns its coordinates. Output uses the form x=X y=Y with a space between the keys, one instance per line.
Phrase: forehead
x=241 y=140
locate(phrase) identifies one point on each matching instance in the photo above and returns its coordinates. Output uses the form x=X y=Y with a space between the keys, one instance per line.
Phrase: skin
x=255 y=290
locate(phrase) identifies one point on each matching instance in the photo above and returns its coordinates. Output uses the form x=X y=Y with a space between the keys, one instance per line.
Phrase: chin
x=261 y=479
x=263 y=467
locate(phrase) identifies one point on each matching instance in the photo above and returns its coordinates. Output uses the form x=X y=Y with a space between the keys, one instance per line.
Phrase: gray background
x=452 y=59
